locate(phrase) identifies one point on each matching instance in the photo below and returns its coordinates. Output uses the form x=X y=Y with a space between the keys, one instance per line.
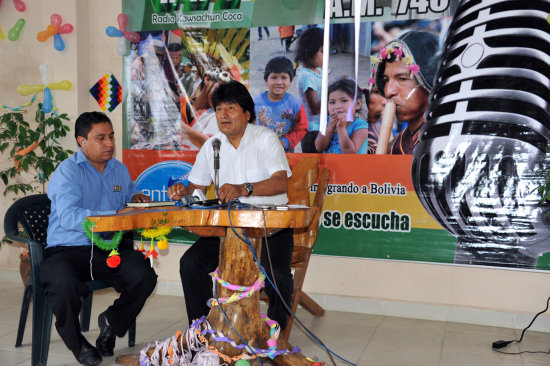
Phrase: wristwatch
x=249 y=188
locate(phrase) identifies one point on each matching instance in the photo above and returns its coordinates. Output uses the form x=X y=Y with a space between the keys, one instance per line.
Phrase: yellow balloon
x=30 y=89
x=61 y=85
x=2 y=36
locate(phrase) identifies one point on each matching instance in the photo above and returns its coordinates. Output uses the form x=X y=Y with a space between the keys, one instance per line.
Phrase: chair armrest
x=11 y=228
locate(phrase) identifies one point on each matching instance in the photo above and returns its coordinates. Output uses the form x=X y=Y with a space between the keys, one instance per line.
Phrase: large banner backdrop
x=450 y=174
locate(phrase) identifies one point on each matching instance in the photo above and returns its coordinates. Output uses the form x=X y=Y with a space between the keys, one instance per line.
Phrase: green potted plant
x=36 y=151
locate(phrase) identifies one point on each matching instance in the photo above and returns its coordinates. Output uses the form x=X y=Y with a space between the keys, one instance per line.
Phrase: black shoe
x=105 y=343
x=88 y=354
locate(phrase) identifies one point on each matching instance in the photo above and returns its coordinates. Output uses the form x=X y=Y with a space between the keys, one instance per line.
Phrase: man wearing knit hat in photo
x=404 y=73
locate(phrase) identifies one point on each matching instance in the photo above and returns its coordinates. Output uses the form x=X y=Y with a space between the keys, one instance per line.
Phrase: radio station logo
x=164 y=6
x=202 y=12
x=155 y=180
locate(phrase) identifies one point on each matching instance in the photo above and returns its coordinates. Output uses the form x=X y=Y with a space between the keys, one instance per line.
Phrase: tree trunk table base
x=237 y=266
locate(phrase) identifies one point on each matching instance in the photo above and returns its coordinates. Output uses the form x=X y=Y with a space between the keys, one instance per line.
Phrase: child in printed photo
x=278 y=110
x=344 y=135
x=309 y=54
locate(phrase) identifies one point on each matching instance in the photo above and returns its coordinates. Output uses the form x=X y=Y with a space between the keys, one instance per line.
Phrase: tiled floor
x=362 y=339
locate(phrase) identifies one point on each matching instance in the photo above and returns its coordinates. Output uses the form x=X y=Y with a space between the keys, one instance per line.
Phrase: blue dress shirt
x=77 y=190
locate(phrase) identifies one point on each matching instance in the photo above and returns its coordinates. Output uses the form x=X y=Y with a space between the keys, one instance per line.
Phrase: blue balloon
x=47 y=105
x=58 y=42
x=113 y=32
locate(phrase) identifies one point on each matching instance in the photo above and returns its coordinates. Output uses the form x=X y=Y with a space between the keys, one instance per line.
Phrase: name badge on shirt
x=117 y=188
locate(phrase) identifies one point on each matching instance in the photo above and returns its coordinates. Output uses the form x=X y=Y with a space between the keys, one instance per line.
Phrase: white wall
x=423 y=290
x=88 y=55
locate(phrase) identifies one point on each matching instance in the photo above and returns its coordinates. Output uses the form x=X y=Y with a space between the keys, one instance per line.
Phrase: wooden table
x=237 y=265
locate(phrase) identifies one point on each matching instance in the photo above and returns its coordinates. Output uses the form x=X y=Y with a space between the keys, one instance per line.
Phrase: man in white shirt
x=254 y=169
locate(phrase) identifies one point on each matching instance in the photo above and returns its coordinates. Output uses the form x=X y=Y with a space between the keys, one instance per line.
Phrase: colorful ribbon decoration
x=241 y=291
x=170 y=351
x=16 y=109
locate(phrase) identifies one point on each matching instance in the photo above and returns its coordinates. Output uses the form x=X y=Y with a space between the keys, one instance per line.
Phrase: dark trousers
x=260 y=32
x=202 y=258
x=65 y=270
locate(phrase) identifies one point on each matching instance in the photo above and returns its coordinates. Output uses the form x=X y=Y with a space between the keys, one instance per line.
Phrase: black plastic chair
x=33 y=212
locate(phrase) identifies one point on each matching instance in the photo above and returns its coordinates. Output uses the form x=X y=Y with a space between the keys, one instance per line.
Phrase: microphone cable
x=497 y=345
x=302 y=325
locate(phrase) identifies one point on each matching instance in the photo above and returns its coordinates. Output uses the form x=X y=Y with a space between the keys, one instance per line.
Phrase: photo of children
x=305 y=51
x=173 y=76
x=309 y=56
x=346 y=132
x=279 y=110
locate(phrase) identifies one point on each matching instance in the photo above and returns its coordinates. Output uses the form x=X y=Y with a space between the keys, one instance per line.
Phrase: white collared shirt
x=259 y=155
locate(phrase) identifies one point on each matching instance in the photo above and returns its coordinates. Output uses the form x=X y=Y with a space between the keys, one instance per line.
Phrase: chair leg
x=24 y=312
x=132 y=334
x=42 y=326
x=86 y=312
x=311 y=305
x=41 y=310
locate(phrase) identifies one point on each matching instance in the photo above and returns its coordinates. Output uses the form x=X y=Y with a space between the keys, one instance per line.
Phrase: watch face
x=249 y=187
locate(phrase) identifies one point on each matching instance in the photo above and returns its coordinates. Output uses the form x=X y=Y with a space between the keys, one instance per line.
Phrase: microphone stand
x=216 y=171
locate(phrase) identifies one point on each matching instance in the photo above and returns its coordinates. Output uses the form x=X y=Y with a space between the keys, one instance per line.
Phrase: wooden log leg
x=237 y=266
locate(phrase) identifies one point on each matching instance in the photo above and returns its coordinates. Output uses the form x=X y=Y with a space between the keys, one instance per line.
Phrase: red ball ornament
x=113 y=261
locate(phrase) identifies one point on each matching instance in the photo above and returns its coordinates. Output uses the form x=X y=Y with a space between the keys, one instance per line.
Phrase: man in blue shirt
x=90 y=183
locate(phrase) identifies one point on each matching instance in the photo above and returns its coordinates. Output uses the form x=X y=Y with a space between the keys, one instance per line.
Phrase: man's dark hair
x=309 y=44
x=174 y=47
x=279 y=65
x=235 y=92
x=85 y=122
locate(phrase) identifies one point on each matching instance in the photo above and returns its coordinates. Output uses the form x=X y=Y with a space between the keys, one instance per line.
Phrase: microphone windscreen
x=482 y=151
x=216 y=143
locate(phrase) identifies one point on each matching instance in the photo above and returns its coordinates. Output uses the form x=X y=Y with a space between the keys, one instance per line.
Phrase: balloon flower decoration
x=47 y=105
x=122 y=34
x=55 y=29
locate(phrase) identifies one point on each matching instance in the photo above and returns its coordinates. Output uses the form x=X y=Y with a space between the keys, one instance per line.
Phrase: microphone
x=216 y=146
x=216 y=143
x=482 y=151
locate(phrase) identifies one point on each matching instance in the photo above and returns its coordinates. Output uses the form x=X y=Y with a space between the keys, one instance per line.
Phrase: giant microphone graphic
x=482 y=153
x=216 y=143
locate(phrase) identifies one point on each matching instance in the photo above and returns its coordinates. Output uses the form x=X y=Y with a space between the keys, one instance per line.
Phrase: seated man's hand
x=176 y=191
x=140 y=197
x=229 y=192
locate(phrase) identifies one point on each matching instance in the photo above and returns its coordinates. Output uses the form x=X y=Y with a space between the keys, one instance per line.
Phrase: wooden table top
x=204 y=217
